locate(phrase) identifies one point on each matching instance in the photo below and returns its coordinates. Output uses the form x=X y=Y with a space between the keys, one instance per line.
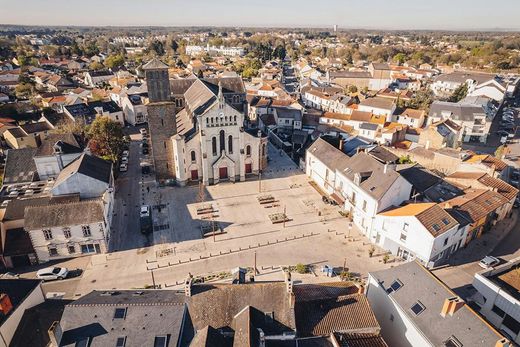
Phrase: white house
x=493 y=89
x=65 y=230
x=415 y=309
x=362 y=185
x=55 y=152
x=378 y=106
x=445 y=85
x=134 y=109
x=96 y=78
x=410 y=117
x=498 y=298
x=423 y=231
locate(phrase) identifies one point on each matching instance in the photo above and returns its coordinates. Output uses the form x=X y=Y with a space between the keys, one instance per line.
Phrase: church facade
x=211 y=143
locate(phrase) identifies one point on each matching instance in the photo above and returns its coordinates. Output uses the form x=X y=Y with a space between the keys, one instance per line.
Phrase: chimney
x=503 y=343
x=427 y=145
x=289 y=282
x=55 y=334
x=187 y=285
x=451 y=305
x=5 y=304
x=385 y=170
x=340 y=144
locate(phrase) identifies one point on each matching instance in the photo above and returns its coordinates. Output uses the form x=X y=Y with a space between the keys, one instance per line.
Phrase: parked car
x=52 y=273
x=143 y=131
x=126 y=153
x=124 y=160
x=10 y=275
x=123 y=167
x=502 y=133
x=145 y=145
x=145 y=150
x=488 y=262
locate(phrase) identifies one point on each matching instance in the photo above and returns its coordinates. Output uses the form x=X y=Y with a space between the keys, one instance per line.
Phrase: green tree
x=301 y=268
x=24 y=90
x=113 y=61
x=399 y=58
x=352 y=89
x=106 y=138
x=157 y=47
x=459 y=93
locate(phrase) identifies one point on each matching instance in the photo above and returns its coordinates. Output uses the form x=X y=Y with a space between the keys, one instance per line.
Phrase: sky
x=362 y=14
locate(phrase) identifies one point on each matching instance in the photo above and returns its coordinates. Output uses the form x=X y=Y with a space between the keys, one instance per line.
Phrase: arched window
x=207 y=121
x=230 y=144
x=222 y=141
x=211 y=120
x=248 y=150
x=263 y=149
x=235 y=119
x=193 y=156
x=214 y=145
x=236 y=99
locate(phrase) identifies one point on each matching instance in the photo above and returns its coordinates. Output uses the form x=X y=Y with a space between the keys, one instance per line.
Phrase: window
x=53 y=251
x=214 y=145
x=405 y=226
x=391 y=317
x=417 y=308
x=248 y=150
x=71 y=248
x=384 y=225
x=66 y=233
x=193 y=156
x=86 y=230
x=269 y=317
x=402 y=237
x=47 y=233
x=230 y=144
x=121 y=341
x=120 y=313
x=498 y=311
x=222 y=140
x=364 y=205
x=394 y=287
x=160 y=341
x=263 y=149
x=512 y=324
x=84 y=342
x=445 y=241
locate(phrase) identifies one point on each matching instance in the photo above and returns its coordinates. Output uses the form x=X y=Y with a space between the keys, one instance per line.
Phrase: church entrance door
x=194 y=175
x=249 y=168
x=222 y=172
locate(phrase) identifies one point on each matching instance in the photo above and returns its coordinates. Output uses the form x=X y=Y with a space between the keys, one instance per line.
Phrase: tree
x=106 y=138
x=24 y=90
x=113 y=61
x=279 y=52
x=174 y=45
x=352 y=89
x=405 y=159
x=96 y=66
x=301 y=268
x=459 y=93
x=399 y=58
x=157 y=47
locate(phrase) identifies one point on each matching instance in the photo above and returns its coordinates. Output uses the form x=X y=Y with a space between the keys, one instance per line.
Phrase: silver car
x=488 y=262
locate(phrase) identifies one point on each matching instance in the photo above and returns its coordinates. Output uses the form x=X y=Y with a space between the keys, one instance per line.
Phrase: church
x=209 y=141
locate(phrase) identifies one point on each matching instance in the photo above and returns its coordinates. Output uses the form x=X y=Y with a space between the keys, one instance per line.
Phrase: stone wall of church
x=162 y=126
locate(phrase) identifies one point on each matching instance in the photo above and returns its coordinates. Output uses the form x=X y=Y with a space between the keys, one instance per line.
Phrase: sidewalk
x=479 y=248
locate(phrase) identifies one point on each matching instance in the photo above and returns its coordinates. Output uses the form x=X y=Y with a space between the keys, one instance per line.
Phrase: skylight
x=417 y=308
x=436 y=227
x=160 y=341
x=120 y=313
x=121 y=341
x=445 y=221
x=394 y=287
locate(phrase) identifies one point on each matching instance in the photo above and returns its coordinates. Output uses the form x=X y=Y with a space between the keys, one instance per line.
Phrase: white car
x=52 y=273
x=142 y=131
x=123 y=167
x=125 y=153
x=124 y=160
x=145 y=211
x=488 y=262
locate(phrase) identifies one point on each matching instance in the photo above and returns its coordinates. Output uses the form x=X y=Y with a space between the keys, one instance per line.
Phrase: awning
x=339 y=199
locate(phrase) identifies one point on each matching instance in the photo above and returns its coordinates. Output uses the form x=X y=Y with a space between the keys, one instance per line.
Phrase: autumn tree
x=106 y=138
x=113 y=61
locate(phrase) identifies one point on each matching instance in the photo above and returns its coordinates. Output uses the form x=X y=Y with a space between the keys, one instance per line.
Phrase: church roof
x=154 y=64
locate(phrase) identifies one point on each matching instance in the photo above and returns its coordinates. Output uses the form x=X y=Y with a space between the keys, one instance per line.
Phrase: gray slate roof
x=67 y=143
x=150 y=314
x=154 y=64
x=20 y=166
x=465 y=324
x=87 y=165
x=458 y=111
x=65 y=214
x=329 y=155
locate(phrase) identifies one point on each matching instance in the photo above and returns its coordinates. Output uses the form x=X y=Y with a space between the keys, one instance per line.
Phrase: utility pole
x=256 y=270
x=153 y=279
